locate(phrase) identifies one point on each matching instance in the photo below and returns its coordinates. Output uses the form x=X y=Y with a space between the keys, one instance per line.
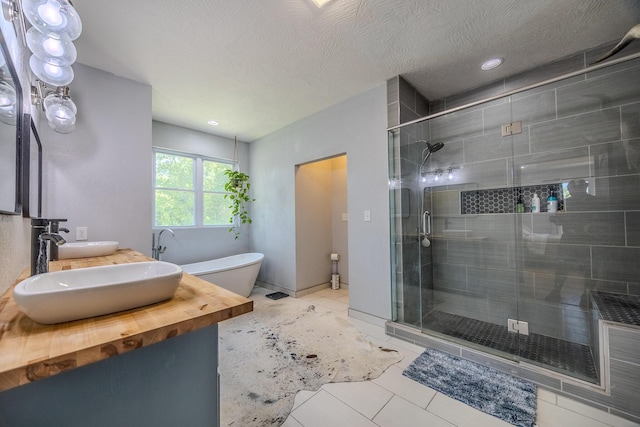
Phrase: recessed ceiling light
x=213 y=123
x=492 y=63
x=321 y=3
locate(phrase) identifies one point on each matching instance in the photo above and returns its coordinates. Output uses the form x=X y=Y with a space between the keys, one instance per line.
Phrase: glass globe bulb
x=61 y=112
x=55 y=75
x=7 y=103
x=56 y=16
x=52 y=48
x=63 y=127
x=59 y=107
x=7 y=95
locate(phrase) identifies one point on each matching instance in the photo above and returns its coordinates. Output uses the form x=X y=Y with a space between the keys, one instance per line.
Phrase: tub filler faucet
x=157 y=251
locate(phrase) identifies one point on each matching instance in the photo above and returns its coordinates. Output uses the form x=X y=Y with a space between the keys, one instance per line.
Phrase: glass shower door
x=410 y=251
x=474 y=204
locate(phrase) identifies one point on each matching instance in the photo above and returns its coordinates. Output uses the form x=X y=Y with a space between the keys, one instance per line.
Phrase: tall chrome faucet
x=54 y=227
x=157 y=251
x=41 y=234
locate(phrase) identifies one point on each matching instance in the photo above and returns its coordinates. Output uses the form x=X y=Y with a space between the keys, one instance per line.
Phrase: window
x=189 y=190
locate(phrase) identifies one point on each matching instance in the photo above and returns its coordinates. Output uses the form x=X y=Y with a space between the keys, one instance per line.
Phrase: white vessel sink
x=86 y=249
x=68 y=295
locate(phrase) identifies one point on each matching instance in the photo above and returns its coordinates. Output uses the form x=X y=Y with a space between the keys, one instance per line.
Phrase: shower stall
x=473 y=265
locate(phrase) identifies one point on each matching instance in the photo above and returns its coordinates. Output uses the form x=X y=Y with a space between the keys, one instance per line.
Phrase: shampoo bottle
x=519 y=204
x=535 y=203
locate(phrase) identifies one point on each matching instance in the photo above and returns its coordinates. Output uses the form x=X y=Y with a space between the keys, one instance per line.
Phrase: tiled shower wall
x=405 y=103
x=537 y=267
x=579 y=131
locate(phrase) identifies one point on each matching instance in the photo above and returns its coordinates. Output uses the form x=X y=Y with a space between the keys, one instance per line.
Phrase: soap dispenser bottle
x=535 y=203
x=552 y=202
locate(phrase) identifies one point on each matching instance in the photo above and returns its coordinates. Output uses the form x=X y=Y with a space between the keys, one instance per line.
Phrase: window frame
x=198 y=187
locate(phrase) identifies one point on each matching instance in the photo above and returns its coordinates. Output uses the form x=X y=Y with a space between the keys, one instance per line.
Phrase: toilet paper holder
x=335 y=277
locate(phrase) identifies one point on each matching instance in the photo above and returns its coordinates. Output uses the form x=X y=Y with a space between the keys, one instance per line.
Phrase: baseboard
x=369 y=318
x=302 y=292
x=275 y=288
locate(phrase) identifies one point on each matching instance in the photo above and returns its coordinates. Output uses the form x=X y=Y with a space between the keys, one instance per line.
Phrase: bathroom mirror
x=11 y=141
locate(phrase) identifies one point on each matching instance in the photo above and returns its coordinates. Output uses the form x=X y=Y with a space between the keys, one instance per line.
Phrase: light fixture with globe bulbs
x=59 y=109
x=49 y=28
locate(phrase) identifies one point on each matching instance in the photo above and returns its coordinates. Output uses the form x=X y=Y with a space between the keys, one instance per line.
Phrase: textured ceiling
x=256 y=66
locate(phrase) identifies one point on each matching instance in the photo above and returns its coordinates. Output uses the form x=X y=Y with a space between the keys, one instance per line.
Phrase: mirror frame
x=22 y=142
x=35 y=205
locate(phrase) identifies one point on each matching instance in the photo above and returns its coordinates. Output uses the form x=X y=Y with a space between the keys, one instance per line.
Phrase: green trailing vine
x=237 y=187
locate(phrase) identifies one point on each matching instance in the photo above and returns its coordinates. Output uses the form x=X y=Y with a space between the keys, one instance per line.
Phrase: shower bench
x=617 y=319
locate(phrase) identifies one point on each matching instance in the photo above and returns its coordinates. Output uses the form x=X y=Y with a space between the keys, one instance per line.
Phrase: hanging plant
x=237 y=187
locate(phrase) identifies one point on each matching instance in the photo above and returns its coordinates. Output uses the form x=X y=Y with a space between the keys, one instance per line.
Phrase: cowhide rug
x=285 y=346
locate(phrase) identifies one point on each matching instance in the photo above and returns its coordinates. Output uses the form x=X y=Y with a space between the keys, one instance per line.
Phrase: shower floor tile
x=564 y=356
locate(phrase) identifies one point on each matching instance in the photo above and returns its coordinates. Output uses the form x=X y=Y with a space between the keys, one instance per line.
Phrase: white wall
x=199 y=244
x=99 y=176
x=356 y=127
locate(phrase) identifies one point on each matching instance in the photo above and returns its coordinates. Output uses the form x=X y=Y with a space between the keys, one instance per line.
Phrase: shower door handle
x=426 y=223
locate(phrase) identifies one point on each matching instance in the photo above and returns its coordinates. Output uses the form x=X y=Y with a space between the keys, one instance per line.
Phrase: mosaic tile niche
x=503 y=200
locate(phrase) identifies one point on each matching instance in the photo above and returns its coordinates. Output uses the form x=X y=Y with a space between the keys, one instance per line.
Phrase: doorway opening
x=321 y=223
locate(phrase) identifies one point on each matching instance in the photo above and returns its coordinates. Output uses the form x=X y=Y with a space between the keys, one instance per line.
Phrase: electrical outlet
x=367 y=216
x=81 y=233
x=345 y=217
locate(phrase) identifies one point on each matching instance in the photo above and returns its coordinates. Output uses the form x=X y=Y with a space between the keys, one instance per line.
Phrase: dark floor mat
x=277 y=295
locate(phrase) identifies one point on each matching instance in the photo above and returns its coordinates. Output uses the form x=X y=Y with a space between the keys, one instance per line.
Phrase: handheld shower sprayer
x=426 y=228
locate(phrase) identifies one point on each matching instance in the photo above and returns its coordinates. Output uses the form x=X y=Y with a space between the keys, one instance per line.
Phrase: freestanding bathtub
x=236 y=273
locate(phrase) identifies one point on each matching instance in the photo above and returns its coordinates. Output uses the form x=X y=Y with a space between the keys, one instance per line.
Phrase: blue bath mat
x=504 y=396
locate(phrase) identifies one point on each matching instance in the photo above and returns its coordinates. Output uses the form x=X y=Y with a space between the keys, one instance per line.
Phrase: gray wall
x=99 y=175
x=203 y=243
x=355 y=127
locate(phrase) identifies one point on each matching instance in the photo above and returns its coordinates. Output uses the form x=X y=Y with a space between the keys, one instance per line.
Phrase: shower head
x=434 y=147
x=429 y=150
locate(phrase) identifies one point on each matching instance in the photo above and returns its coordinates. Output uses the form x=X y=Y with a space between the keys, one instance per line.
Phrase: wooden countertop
x=30 y=351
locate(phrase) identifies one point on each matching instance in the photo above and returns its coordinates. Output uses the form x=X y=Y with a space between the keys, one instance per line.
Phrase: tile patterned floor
x=552 y=352
x=393 y=400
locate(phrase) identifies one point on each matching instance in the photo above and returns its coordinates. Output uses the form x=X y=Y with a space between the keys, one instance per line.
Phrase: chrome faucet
x=157 y=251
x=42 y=262
x=41 y=234
x=54 y=227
